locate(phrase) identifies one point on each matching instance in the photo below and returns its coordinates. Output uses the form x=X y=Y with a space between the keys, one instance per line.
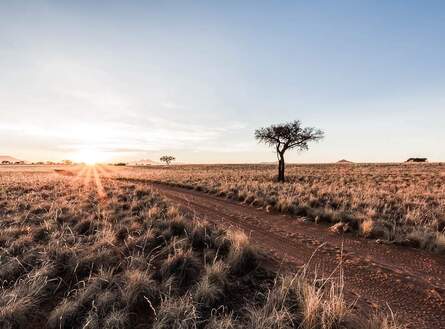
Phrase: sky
x=131 y=80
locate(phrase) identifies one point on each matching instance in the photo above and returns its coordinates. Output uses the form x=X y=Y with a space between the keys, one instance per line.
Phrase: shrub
x=176 y=313
x=183 y=267
x=141 y=292
x=210 y=288
x=222 y=322
x=242 y=258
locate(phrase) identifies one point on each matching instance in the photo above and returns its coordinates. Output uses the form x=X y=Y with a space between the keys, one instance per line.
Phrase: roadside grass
x=71 y=258
x=399 y=203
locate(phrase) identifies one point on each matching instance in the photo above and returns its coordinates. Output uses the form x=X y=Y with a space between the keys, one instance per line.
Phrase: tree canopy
x=167 y=159
x=288 y=136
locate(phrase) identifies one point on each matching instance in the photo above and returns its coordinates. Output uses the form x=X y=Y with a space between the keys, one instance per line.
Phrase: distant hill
x=146 y=162
x=8 y=158
x=344 y=161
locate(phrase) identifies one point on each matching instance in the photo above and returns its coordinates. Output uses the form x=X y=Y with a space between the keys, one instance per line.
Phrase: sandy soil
x=410 y=281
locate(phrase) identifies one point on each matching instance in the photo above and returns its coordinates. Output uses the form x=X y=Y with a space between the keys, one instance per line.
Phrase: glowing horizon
x=126 y=82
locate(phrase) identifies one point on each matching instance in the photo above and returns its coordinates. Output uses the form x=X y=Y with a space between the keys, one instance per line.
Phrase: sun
x=89 y=156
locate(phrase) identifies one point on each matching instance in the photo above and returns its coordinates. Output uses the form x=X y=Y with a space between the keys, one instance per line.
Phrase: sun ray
x=80 y=172
x=101 y=170
x=99 y=186
x=87 y=177
x=110 y=170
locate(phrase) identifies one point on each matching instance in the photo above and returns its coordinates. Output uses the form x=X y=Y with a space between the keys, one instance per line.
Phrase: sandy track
x=410 y=281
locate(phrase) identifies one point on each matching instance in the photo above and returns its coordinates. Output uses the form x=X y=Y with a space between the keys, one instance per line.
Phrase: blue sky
x=137 y=79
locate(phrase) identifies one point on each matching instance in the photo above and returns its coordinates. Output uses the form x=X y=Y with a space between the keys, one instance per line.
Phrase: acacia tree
x=285 y=137
x=167 y=159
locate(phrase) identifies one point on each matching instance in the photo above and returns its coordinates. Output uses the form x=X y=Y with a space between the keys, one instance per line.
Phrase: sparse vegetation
x=398 y=203
x=77 y=252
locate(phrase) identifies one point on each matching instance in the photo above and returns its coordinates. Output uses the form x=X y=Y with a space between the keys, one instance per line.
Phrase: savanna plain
x=102 y=247
x=398 y=203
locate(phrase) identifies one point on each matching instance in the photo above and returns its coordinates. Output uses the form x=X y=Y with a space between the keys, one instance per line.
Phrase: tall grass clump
x=79 y=254
x=392 y=202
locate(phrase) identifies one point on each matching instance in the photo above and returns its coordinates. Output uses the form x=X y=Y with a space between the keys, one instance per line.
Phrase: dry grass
x=391 y=202
x=76 y=256
x=295 y=301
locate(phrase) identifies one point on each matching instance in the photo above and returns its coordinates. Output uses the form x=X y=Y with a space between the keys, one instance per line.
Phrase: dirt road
x=410 y=281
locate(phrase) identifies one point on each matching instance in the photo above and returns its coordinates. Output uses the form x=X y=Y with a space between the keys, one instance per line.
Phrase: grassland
x=89 y=252
x=397 y=203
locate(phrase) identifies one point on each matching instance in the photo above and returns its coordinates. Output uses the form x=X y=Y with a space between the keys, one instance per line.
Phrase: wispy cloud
x=130 y=135
x=172 y=105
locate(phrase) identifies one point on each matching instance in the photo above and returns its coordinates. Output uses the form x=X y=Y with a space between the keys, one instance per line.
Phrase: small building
x=417 y=160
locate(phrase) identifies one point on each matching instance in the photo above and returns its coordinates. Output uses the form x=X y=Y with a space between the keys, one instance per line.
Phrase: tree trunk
x=281 y=168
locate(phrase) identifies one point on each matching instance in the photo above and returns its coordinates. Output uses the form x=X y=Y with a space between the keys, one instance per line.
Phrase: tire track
x=410 y=281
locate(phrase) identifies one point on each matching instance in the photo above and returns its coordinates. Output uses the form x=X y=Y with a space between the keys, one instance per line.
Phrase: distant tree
x=285 y=137
x=167 y=159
